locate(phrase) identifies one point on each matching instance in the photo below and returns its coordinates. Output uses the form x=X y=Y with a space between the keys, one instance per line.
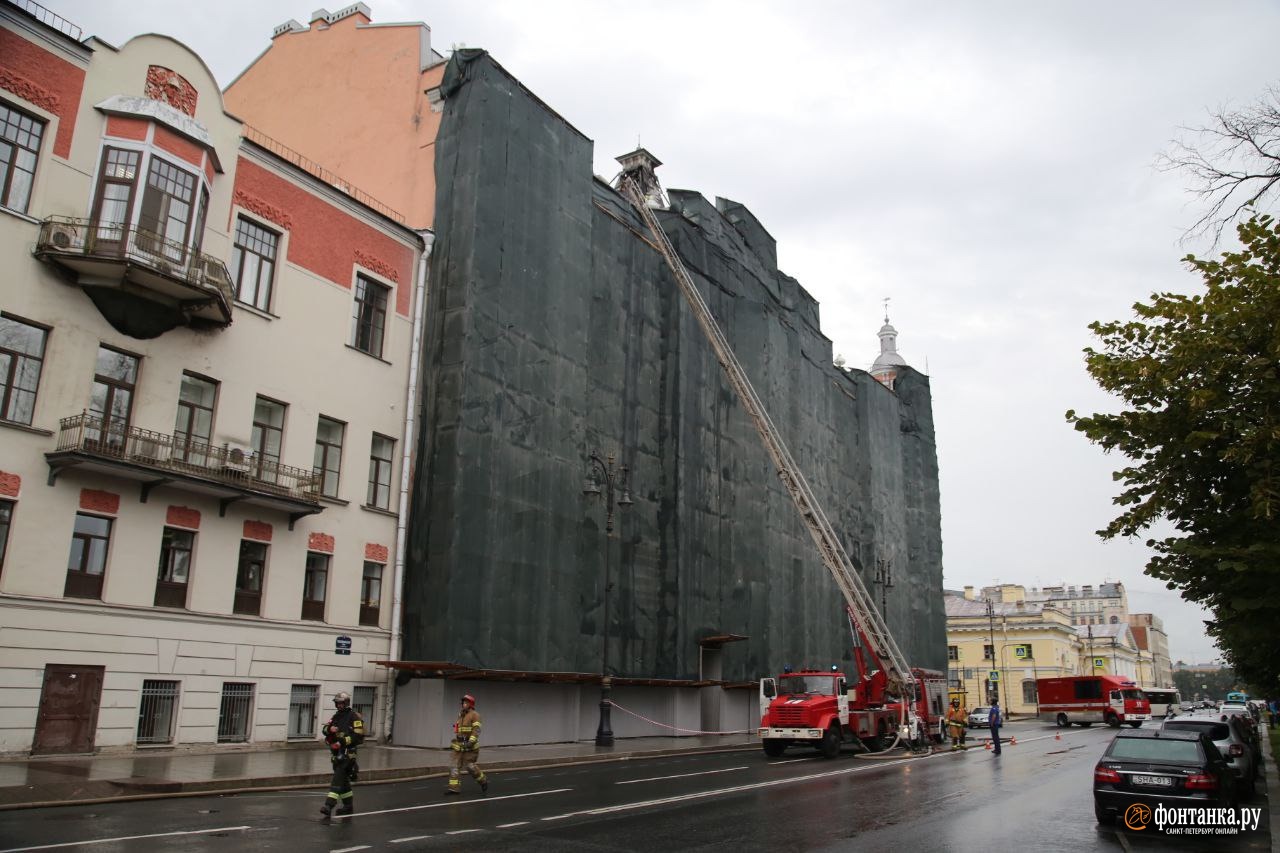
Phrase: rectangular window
x=6 y=520
x=234 y=712
x=176 y=547
x=250 y=574
x=158 y=711
x=369 y=317
x=328 y=458
x=20 y=136
x=253 y=263
x=953 y=653
x=380 y=452
x=268 y=437
x=362 y=701
x=21 y=360
x=113 y=203
x=314 y=586
x=167 y=204
x=989 y=652
x=88 y=559
x=303 y=699
x=193 y=427
x=111 y=401
x=370 y=593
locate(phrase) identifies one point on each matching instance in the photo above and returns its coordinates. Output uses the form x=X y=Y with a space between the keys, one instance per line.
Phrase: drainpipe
x=406 y=462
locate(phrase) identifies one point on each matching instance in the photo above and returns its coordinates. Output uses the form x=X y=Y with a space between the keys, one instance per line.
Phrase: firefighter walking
x=957 y=724
x=466 y=748
x=343 y=733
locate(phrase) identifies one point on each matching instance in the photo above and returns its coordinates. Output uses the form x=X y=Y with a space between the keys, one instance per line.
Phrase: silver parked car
x=980 y=717
x=1230 y=734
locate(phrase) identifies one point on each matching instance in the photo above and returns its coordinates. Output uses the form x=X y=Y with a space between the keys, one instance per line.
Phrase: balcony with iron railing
x=154 y=459
x=143 y=284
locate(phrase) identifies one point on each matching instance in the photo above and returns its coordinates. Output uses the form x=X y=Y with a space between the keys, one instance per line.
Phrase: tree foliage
x=1201 y=431
x=1233 y=163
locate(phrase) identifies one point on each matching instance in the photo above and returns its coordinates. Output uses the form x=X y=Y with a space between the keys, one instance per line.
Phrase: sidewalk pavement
x=30 y=782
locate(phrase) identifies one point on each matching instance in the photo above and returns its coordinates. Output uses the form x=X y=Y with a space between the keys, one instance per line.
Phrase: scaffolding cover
x=554 y=329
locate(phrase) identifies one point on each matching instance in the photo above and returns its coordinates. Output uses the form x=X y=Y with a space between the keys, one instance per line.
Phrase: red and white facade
x=205 y=352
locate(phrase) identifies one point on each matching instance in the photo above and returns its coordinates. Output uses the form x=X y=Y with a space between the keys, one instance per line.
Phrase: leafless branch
x=1233 y=163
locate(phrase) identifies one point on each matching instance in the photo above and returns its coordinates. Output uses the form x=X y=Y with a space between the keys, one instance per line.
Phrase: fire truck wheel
x=830 y=746
x=1135 y=723
x=773 y=747
x=1113 y=721
x=1063 y=722
x=1085 y=725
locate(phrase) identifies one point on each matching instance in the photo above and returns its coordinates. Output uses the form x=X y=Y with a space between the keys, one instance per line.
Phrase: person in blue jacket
x=995 y=720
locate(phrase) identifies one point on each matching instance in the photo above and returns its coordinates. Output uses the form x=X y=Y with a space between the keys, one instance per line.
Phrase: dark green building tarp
x=553 y=330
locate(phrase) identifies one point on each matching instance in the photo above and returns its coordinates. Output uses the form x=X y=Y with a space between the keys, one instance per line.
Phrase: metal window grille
x=157 y=711
x=302 y=710
x=362 y=700
x=234 y=712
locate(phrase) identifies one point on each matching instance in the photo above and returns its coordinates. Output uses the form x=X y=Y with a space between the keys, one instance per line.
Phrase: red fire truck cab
x=819 y=709
x=1088 y=699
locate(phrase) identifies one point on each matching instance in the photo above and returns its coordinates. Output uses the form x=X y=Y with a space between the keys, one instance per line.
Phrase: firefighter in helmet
x=957 y=723
x=343 y=733
x=466 y=748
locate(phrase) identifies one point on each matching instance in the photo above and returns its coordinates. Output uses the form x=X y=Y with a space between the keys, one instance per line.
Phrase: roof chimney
x=968 y=593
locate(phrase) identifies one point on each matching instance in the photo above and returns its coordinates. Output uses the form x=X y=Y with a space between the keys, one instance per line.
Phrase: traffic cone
x=988 y=746
x=1013 y=741
x=1055 y=737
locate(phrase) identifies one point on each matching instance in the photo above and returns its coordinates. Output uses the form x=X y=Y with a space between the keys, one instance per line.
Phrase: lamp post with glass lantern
x=602 y=477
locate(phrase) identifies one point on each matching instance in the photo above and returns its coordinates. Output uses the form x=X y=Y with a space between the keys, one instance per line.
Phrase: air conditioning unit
x=239 y=456
x=64 y=235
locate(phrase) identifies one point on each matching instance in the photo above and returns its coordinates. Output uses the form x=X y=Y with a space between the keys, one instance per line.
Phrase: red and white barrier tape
x=676 y=728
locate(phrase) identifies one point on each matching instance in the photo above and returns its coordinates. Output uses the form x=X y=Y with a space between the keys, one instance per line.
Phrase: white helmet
x=342 y=699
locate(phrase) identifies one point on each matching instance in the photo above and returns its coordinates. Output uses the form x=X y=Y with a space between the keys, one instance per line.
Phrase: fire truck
x=831 y=711
x=1088 y=699
x=827 y=711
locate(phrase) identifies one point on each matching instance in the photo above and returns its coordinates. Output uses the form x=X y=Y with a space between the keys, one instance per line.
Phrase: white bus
x=1164 y=703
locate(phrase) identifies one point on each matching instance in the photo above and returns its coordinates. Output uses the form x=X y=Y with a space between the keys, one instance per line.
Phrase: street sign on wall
x=342 y=646
x=993 y=675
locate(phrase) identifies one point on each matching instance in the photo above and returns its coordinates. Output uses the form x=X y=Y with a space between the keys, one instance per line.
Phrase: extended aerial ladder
x=860 y=607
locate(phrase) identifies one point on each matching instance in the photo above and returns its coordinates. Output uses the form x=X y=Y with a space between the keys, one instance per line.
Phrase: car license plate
x=1156 y=781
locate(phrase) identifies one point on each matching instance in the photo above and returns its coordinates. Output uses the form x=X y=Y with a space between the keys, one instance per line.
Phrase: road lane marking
x=444 y=804
x=679 y=776
x=773 y=783
x=461 y=831
x=788 y=761
x=125 y=838
x=509 y=825
x=350 y=849
x=410 y=838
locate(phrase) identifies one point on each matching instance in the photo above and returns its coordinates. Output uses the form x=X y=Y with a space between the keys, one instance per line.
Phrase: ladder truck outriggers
x=858 y=713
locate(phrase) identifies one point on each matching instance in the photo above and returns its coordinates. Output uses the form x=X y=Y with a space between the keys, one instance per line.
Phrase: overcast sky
x=986 y=165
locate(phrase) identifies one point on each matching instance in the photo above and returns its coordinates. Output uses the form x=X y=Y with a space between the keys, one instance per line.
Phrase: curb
x=141 y=789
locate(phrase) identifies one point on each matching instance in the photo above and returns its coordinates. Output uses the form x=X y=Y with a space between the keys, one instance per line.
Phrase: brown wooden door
x=68 y=716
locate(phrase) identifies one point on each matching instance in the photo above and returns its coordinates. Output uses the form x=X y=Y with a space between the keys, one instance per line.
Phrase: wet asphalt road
x=1037 y=795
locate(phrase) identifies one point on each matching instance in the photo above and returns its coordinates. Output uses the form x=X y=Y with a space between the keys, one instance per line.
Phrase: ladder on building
x=861 y=607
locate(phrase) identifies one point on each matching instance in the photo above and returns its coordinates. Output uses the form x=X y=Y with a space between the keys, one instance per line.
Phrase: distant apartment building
x=205 y=357
x=1154 y=664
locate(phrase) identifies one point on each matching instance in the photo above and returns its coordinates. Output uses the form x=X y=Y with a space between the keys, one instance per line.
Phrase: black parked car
x=1149 y=767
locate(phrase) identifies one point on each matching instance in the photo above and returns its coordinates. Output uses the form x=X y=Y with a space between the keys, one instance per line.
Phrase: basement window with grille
x=302 y=710
x=362 y=700
x=157 y=712
x=234 y=712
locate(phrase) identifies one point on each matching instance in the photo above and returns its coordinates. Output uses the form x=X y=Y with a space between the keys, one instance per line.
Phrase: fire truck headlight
x=815 y=732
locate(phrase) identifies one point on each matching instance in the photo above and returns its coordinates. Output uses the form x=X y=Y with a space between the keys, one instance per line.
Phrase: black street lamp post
x=603 y=474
